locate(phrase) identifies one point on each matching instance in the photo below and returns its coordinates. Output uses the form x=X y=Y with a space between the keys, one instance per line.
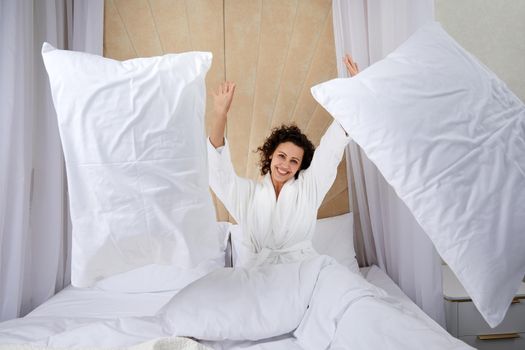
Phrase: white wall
x=492 y=30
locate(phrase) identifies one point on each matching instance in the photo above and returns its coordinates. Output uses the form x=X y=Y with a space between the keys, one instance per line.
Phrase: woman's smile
x=281 y=172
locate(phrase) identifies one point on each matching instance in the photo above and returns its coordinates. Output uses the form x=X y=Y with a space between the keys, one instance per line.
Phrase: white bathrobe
x=277 y=230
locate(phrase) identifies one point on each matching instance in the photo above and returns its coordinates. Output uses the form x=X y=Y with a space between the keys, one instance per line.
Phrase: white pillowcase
x=334 y=236
x=134 y=145
x=449 y=136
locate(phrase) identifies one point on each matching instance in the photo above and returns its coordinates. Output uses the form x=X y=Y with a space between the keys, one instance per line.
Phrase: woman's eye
x=294 y=161
x=281 y=156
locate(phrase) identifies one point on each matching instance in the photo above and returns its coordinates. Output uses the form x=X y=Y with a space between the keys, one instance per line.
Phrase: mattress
x=69 y=317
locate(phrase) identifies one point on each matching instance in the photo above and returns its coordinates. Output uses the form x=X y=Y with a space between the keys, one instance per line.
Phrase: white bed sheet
x=44 y=325
x=95 y=303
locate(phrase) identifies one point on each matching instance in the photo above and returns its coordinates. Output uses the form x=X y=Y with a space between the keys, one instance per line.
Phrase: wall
x=492 y=30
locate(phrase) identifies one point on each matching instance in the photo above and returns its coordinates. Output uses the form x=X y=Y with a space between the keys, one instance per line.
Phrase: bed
x=319 y=303
x=100 y=321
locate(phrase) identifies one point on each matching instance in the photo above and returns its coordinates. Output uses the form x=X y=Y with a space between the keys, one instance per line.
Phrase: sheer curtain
x=386 y=232
x=34 y=228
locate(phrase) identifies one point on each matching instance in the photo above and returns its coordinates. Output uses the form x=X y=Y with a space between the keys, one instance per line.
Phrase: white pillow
x=243 y=303
x=134 y=146
x=334 y=236
x=449 y=136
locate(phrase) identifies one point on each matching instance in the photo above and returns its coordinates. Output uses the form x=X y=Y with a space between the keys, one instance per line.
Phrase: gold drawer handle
x=498 y=336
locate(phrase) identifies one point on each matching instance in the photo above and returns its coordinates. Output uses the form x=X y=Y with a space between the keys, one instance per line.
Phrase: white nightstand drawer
x=499 y=344
x=470 y=321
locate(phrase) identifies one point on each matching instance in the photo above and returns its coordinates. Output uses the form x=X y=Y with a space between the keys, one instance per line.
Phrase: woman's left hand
x=351 y=66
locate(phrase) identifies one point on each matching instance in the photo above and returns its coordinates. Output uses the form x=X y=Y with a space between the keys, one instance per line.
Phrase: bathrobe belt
x=265 y=254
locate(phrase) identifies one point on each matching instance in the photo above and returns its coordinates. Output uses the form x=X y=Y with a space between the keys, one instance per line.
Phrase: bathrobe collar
x=267 y=180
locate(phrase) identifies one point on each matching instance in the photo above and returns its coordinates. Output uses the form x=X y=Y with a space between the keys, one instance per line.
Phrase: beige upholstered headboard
x=274 y=50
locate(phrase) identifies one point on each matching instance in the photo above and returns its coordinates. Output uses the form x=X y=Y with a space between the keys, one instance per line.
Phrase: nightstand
x=466 y=323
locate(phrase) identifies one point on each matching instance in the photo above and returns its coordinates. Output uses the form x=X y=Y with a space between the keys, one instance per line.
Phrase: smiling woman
x=277 y=214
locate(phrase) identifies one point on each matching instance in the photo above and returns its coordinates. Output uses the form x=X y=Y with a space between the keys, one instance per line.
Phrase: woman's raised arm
x=222 y=99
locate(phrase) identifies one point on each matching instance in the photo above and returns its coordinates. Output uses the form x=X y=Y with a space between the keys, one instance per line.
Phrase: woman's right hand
x=222 y=98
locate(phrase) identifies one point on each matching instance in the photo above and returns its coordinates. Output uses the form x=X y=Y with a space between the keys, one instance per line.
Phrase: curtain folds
x=386 y=232
x=34 y=228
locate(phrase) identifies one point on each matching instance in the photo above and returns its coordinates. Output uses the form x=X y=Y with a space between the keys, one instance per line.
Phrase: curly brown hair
x=285 y=133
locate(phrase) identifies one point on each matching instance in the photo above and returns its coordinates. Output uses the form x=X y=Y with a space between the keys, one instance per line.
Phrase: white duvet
x=315 y=304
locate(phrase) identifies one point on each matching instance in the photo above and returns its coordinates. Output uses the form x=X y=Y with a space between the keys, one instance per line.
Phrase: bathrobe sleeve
x=233 y=191
x=321 y=173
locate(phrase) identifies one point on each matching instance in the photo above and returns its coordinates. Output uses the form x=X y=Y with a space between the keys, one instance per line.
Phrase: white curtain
x=386 y=232
x=34 y=227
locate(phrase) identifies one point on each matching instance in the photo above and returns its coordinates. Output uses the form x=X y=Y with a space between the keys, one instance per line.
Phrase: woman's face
x=286 y=162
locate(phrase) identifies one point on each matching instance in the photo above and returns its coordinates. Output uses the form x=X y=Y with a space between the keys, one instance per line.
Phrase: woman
x=277 y=214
